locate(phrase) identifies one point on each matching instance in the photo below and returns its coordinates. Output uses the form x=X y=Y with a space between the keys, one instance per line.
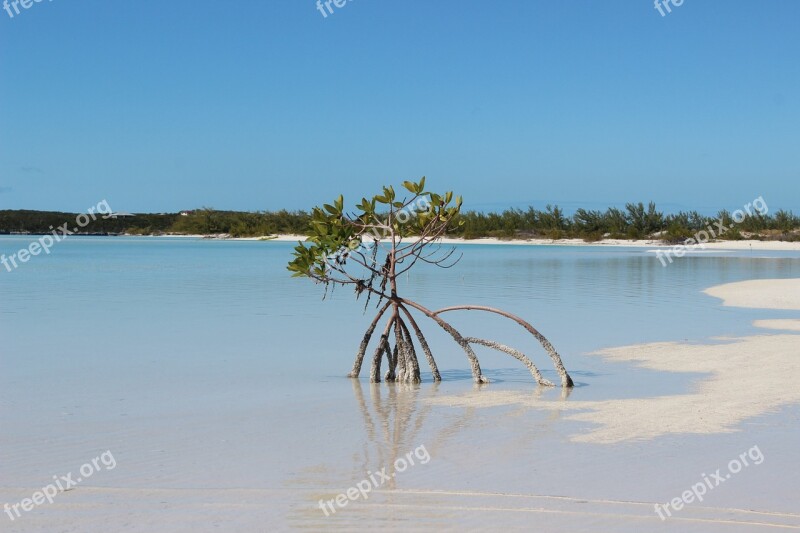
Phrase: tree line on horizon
x=634 y=221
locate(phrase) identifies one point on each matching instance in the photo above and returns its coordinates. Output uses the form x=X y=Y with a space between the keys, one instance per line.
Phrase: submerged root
x=392 y=358
x=402 y=357
x=566 y=380
x=411 y=354
x=477 y=375
x=375 y=371
x=517 y=355
x=424 y=344
x=407 y=358
x=362 y=349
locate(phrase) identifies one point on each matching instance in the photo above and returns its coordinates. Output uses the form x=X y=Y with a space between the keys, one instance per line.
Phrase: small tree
x=370 y=249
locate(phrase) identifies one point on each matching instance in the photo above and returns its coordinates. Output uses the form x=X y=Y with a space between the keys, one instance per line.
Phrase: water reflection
x=394 y=420
x=400 y=417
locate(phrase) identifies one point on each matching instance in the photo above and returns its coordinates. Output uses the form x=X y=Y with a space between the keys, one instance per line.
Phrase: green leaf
x=411 y=187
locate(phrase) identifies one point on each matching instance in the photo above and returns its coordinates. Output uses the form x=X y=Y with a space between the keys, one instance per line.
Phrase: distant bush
x=636 y=221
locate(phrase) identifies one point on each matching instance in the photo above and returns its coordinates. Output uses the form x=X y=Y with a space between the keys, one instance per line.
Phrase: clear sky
x=266 y=104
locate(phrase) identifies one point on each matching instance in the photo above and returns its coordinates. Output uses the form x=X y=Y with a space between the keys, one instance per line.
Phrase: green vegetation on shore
x=635 y=221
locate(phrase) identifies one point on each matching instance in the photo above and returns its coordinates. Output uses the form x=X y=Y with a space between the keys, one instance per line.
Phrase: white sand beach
x=642 y=243
x=761 y=293
x=786 y=324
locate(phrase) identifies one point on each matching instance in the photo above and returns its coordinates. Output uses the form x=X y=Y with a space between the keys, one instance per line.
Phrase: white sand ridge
x=744 y=377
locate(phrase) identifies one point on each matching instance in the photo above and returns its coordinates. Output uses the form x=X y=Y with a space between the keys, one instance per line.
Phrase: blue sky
x=251 y=105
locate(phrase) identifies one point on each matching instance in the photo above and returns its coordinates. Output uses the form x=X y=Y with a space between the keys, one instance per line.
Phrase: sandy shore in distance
x=644 y=243
x=760 y=293
x=787 y=324
x=744 y=377
x=640 y=243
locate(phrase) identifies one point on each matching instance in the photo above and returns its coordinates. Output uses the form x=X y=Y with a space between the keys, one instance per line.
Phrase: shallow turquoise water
x=151 y=305
x=202 y=363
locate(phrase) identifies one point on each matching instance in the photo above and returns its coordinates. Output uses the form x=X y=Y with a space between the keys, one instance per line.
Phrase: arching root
x=517 y=355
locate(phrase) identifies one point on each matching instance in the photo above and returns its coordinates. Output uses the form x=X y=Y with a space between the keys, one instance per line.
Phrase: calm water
x=202 y=363
x=156 y=306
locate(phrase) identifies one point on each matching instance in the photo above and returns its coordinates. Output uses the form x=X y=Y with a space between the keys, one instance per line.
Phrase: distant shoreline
x=621 y=243
x=637 y=225
x=719 y=245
